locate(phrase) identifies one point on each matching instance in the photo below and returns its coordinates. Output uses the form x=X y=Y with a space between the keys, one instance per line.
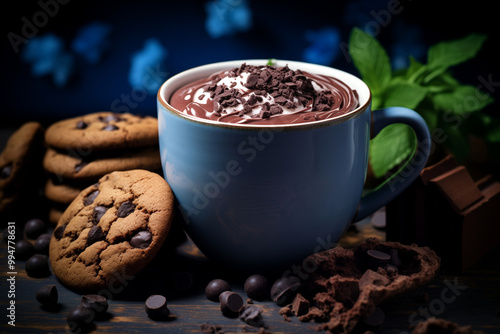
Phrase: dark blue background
x=277 y=32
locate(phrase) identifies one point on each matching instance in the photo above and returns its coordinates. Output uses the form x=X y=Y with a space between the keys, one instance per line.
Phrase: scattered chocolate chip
x=215 y=287
x=99 y=211
x=252 y=315
x=300 y=305
x=141 y=240
x=209 y=328
x=95 y=235
x=257 y=287
x=156 y=307
x=24 y=250
x=377 y=258
x=90 y=198
x=80 y=319
x=34 y=227
x=59 y=232
x=110 y=127
x=284 y=289
x=42 y=244
x=231 y=303
x=81 y=125
x=97 y=303
x=47 y=295
x=125 y=209
x=6 y=171
x=37 y=266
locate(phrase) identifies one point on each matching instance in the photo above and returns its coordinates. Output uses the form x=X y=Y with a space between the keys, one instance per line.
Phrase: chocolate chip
x=141 y=240
x=300 y=305
x=97 y=303
x=81 y=125
x=230 y=303
x=6 y=171
x=215 y=287
x=90 y=197
x=111 y=118
x=42 y=244
x=95 y=235
x=80 y=319
x=252 y=315
x=110 y=127
x=34 y=227
x=47 y=295
x=59 y=232
x=125 y=209
x=24 y=250
x=284 y=289
x=37 y=266
x=79 y=166
x=257 y=287
x=156 y=307
x=99 y=211
x=377 y=258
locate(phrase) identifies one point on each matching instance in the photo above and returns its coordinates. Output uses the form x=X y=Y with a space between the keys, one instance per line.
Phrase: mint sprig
x=430 y=89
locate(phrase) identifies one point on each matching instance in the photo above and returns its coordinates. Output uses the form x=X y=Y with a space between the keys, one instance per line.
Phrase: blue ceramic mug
x=261 y=196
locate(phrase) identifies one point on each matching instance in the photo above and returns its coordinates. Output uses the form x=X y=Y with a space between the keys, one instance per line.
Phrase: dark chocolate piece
x=110 y=127
x=91 y=197
x=37 y=266
x=252 y=315
x=24 y=250
x=34 y=227
x=95 y=235
x=141 y=240
x=125 y=209
x=231 y=303
x=371 y=277
x=59 y=232
x=377 y=258
x=257 y=287
x=81 y=125
x=300 y=305
x=215 y=287
x=284 y=289
x=99 y=211
x=156 y=307
x=80 y=319
x=97 y=303
x=42 y=244
x=47 y=295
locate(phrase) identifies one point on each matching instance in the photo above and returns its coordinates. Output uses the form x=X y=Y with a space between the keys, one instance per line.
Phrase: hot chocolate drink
x=265 y=95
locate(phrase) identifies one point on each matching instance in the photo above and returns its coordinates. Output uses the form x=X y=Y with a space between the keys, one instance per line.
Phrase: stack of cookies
x=82 y=149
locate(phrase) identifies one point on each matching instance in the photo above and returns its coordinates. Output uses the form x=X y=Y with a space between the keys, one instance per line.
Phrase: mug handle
x=398 y=182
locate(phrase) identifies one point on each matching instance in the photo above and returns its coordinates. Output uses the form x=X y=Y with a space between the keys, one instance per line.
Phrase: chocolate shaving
x=288 y=88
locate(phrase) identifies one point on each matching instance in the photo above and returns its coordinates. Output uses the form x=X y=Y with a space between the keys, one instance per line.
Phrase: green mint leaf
x=270 y=62
x=461 y=100
x=403 y=94
x=390 y=147
x=370 y=59
x=450 y=53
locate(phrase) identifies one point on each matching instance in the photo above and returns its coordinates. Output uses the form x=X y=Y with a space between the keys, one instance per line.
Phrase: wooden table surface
x=181 y=274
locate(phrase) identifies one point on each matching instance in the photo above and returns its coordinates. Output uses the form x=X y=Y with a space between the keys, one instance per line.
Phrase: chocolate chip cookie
x=61 y=191
x=103 y=131
x=91 y=167
x=19 y=162
x=111 y=231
